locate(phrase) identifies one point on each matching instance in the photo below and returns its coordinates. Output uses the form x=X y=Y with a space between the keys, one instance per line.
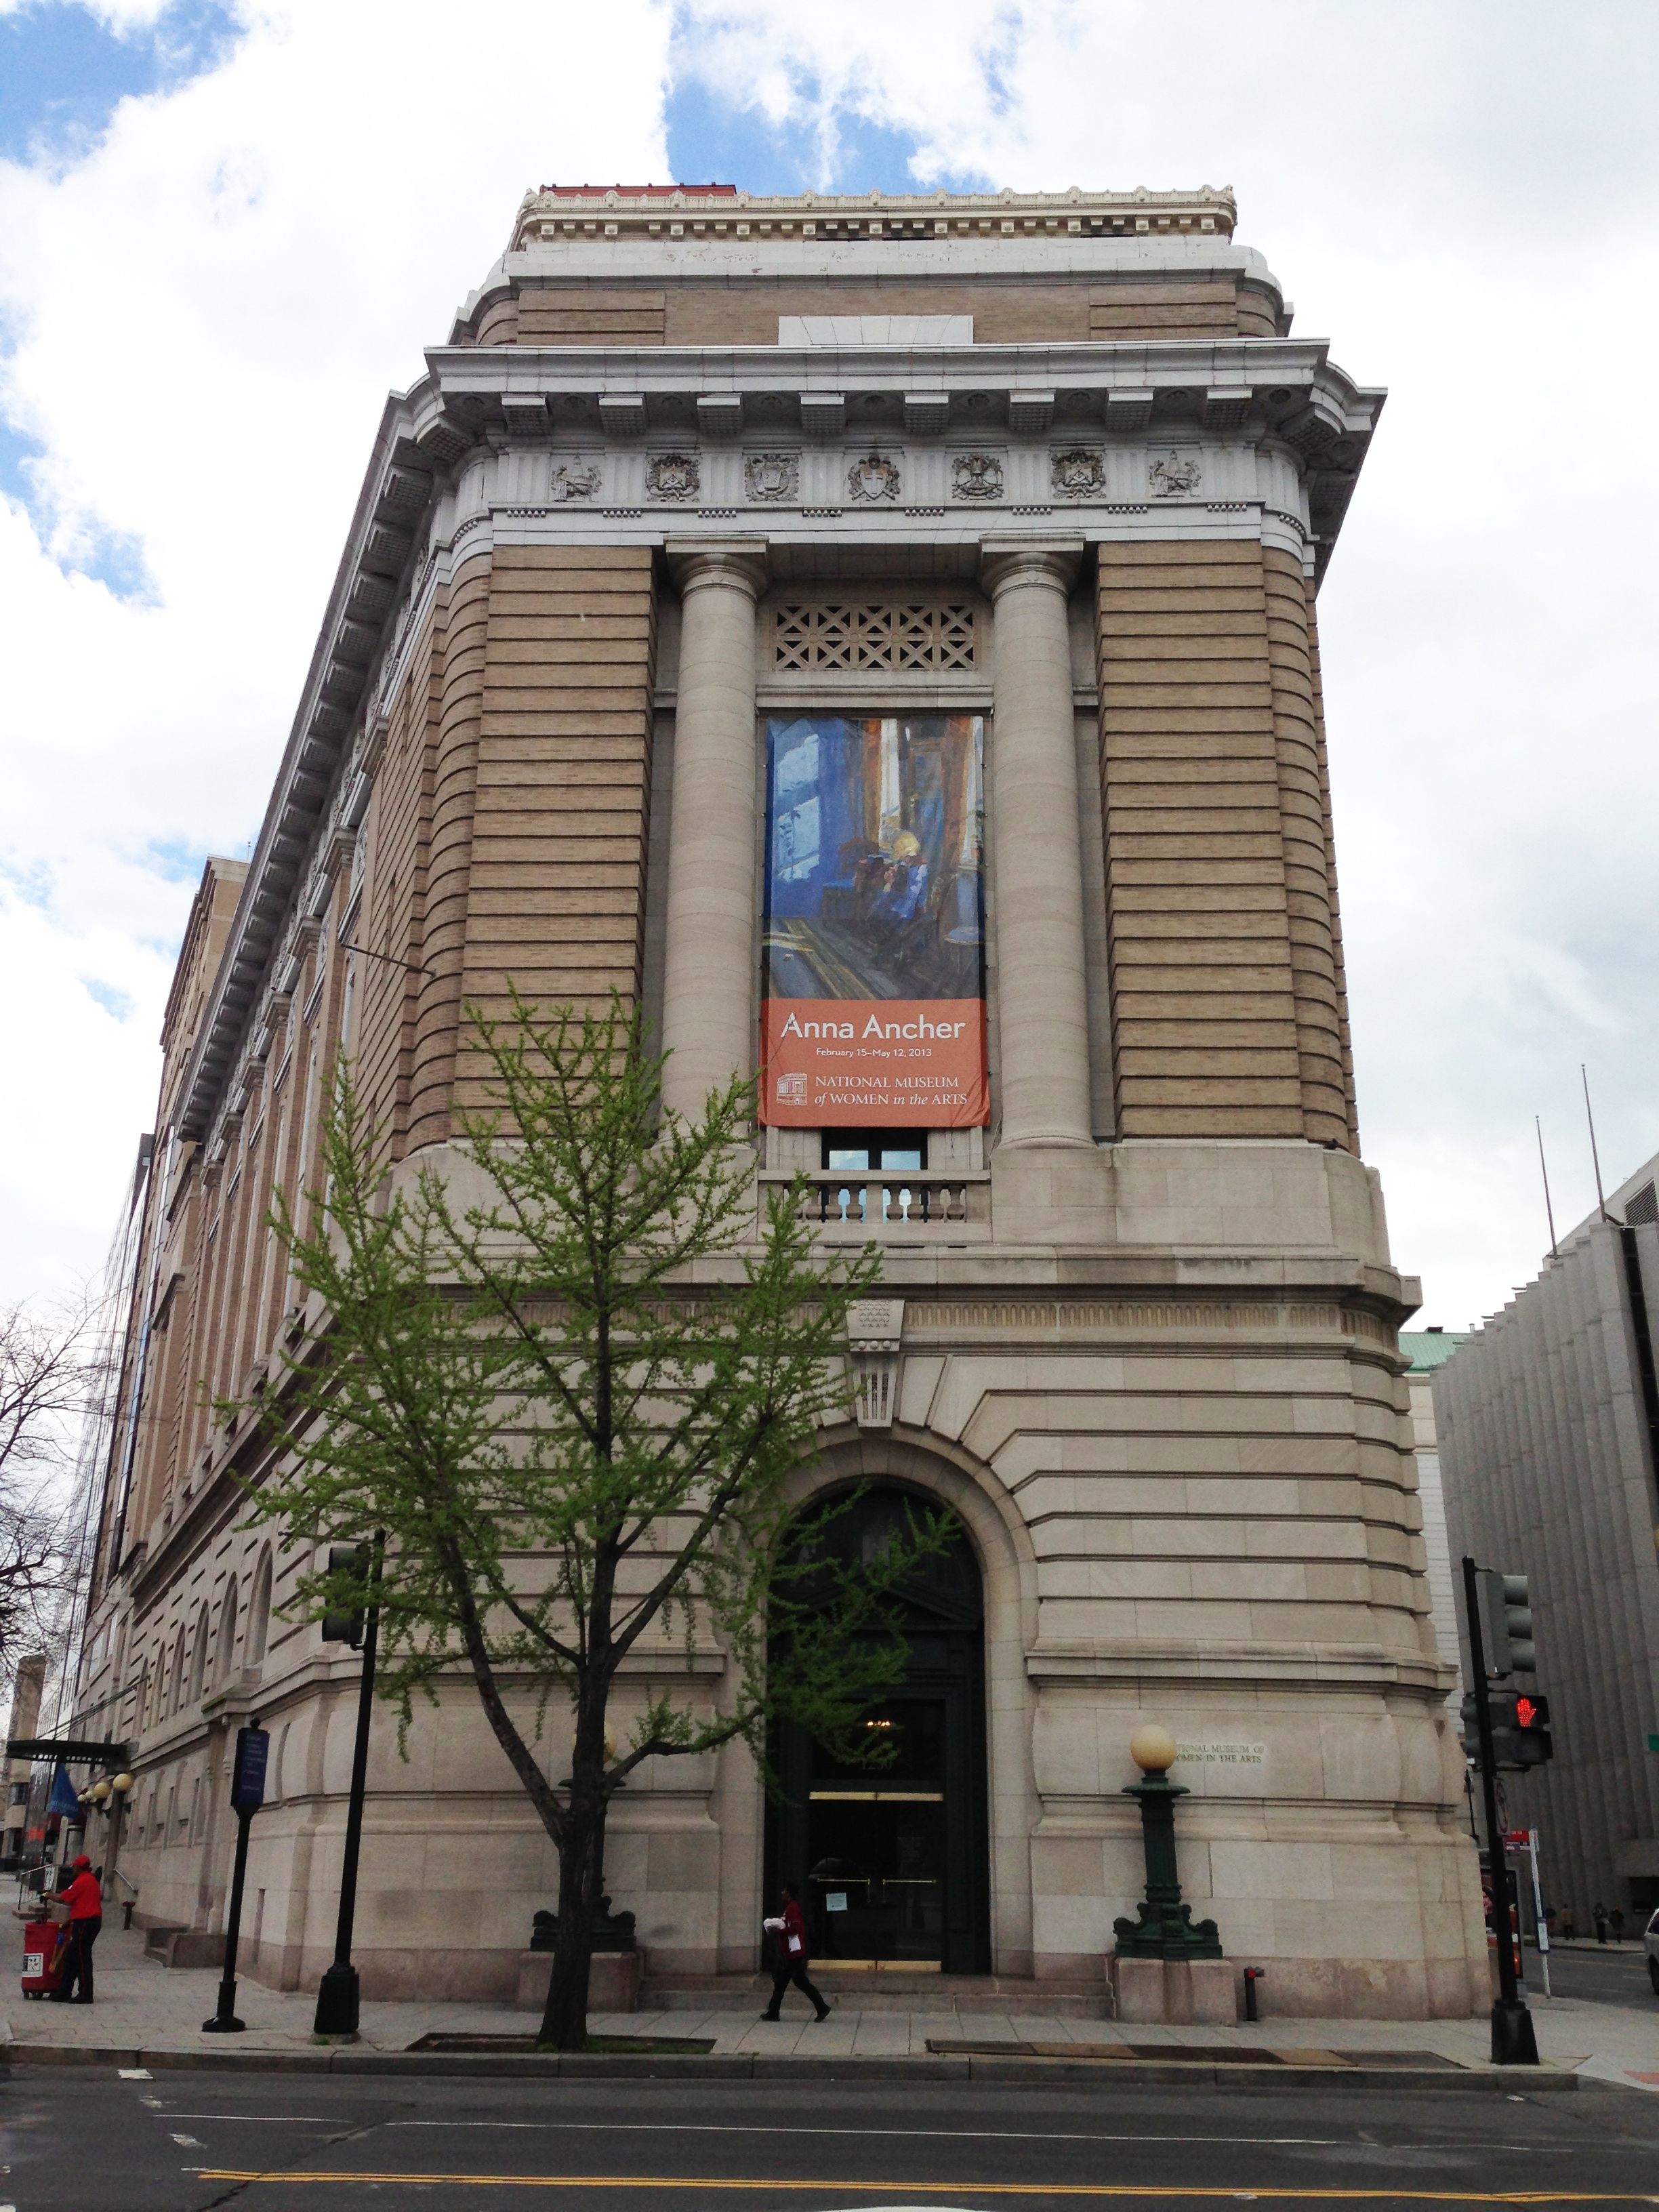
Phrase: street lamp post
x=339 y=1992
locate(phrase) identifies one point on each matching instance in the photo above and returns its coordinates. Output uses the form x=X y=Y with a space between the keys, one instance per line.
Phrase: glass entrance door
x=892 y=1862
x=876 y=1841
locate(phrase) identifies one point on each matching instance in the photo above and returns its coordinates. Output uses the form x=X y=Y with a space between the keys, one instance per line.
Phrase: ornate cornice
x=658 y=213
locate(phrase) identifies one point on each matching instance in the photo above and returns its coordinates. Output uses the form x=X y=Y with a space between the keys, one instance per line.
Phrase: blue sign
x=247 y=1781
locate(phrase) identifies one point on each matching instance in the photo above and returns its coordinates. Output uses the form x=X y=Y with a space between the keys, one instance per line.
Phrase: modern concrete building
x=879 y=635
x=1548 y=1419
x=1428 y=1351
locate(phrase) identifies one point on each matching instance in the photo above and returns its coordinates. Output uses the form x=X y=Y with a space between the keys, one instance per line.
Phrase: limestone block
x=613 y=1981
x=1137 y=1987
x=1200 y=1991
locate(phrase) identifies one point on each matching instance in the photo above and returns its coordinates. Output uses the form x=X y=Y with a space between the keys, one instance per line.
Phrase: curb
x=1007 y=2073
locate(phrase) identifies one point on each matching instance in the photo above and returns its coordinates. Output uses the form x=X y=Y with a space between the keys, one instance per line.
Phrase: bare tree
x=46 y=1373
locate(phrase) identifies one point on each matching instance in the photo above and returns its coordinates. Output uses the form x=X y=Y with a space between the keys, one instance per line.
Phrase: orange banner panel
x=873 y=1063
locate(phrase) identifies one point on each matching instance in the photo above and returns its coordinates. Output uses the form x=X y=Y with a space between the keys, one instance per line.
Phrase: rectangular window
x=876 y=1154
x=873 y=970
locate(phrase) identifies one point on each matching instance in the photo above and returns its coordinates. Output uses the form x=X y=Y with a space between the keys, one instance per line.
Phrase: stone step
x=964 y=1994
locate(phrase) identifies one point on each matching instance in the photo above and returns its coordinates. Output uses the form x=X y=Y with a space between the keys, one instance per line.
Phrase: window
x=198 y=1658
x=259 y=1619
x=228 y=1632
x=176 y=1695
x=874 y=1152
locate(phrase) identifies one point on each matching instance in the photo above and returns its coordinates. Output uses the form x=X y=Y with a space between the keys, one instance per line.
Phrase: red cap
x=75 y=1865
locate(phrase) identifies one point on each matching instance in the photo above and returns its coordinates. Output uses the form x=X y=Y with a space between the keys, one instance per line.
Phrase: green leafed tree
x=573 y=1407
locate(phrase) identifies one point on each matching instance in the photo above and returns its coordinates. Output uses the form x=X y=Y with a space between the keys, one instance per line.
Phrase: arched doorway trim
x=1008 y=1575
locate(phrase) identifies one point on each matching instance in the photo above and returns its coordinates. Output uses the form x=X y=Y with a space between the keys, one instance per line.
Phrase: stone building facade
x=1018 y=503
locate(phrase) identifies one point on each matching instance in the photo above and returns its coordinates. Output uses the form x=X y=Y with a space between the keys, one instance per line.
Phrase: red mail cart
x=43 y=1962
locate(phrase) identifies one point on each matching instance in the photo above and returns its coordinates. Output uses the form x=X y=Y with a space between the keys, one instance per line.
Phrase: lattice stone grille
x=852 y=637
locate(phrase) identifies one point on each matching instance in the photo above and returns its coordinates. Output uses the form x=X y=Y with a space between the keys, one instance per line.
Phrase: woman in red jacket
x=86 y=1907
x=790 y=1929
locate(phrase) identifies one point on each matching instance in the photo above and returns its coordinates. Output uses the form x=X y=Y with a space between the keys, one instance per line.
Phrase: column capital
x=1007 y=562
x=737 y=563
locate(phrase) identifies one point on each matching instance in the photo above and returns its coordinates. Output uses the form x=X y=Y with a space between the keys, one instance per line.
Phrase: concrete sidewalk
x=144 y=2006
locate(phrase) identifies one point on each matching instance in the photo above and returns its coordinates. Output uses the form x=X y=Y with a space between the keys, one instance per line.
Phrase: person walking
x=790 y=1929
x=1599 y=1915
x=86 y=1908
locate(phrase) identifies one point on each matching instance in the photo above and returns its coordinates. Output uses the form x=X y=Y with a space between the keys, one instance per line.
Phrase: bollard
x=1251 y=1976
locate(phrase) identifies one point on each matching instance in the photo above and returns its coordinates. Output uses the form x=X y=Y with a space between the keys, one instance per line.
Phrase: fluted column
x=1035 y=836
x=708 y=975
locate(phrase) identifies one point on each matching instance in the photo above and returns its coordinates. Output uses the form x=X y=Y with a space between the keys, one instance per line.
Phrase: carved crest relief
x=575 y=480
x=872 y=478
x=976 y=475
x=1168 y=479
x=772 y=476
x=1078 y=471
x=672 y=476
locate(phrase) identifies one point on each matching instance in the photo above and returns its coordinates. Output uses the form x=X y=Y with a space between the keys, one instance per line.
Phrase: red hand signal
x=1525 y=1711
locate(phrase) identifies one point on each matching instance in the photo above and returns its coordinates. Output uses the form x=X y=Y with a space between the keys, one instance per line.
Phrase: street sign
x=247 y=1784
x=1516 y=1839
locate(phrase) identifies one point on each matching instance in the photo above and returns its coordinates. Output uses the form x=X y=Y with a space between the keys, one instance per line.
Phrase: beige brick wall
x=711 y=312
x=1227 y=1013
x=556 y=882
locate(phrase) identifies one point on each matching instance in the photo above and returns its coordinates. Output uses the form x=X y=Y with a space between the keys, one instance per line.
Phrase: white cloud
x=209 y=310
x=206 y=315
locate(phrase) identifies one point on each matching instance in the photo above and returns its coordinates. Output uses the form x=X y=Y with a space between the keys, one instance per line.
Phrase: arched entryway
x=893 y=1863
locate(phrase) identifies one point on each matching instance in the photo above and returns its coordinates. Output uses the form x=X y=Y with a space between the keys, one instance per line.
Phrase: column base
x=1180 y=1992
x=1052 y=1195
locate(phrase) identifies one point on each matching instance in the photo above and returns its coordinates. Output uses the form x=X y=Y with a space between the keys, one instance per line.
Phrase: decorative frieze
x=1175 y=477
x=575 y=479
x=771 y=477
x=976 y=475
x=1078 y=471
x=672 y=476
x=873 y=480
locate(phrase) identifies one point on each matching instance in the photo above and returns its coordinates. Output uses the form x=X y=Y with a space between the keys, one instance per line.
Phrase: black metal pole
x=338 y=1994
x=224 y=2021
x=1513 y=2041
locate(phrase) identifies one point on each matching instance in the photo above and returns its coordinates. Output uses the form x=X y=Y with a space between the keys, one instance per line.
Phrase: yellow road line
x=896 y=2192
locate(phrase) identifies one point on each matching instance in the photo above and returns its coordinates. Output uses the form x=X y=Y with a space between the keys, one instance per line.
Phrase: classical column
x=1034 y=839
x=708 y=977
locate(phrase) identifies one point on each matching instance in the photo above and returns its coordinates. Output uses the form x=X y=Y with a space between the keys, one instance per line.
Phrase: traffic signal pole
x=1513 y=2042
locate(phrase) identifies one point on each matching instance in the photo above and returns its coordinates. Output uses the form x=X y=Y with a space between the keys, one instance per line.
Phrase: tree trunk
x=564 y=2023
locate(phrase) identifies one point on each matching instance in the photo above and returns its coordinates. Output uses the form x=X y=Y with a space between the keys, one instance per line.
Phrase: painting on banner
x=872 y=991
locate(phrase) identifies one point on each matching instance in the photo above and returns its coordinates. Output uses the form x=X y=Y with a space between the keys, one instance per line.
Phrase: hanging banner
x=872 y=990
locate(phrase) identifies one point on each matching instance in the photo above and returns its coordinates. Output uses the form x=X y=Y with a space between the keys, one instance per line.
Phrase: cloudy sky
x=225 y=230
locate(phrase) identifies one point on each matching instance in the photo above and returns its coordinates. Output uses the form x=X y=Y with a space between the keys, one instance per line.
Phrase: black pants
x=789 y=1970
x=78 y=1958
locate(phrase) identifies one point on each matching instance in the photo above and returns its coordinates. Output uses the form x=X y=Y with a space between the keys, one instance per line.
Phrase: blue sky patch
x=713 y=141
x=63 y=73
x=117 y=1004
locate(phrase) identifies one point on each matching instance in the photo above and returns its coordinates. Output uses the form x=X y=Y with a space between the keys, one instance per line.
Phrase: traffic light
x=1506 y=1607
x=1520 y=1729
x=1532 y=1728
x=345 y=1628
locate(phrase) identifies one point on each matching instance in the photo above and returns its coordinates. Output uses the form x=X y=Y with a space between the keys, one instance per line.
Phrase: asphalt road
x=82 y=2140
x=1609 y=1976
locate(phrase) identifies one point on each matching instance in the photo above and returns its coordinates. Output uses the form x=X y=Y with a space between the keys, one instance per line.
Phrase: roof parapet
x=571 y=214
